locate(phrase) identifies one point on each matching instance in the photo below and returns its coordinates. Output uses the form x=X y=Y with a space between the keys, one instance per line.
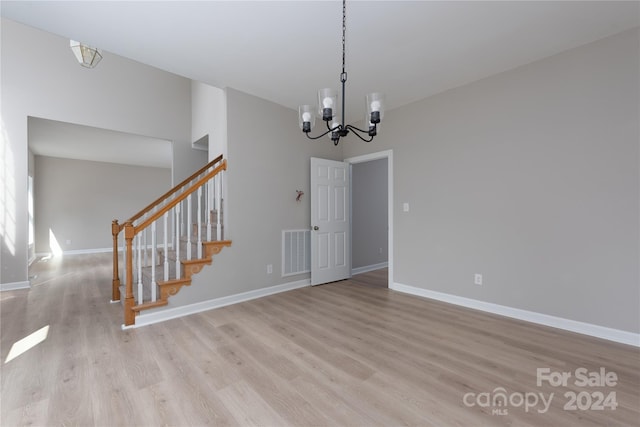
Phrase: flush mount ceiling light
x=87 y=56
x=328 y=102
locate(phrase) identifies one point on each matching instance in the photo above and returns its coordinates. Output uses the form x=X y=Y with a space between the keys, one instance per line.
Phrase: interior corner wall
x=531 y=178
x=76 y=200
x=119 y=94
x=369 y=213
x=209 y=117
x=268 y=162
x=31 y=166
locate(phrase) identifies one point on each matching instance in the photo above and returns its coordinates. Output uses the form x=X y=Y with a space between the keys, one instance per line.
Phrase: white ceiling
x=284 y=51
x=70 y=141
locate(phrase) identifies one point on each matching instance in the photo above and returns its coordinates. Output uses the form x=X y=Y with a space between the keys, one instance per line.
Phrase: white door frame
x=387 y=154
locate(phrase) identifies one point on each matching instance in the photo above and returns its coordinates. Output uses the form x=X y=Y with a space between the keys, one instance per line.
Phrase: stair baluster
x=199 y=245
x=139 y=271
x=209 y=208
x=177 y=240
x=145 y=246
x=165 y=218
x=154 y=250
x=188 y=231
x=218 y=207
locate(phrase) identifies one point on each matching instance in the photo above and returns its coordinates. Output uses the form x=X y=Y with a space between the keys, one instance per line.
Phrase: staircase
x=169 y=241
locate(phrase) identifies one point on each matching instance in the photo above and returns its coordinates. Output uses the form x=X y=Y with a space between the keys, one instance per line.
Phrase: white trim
x=185 y=310
x=87 y=251
x=386 y=154
x=92 y=251
x=15 y=286
x=597 y=331
x=367 y=268
x=77 y=252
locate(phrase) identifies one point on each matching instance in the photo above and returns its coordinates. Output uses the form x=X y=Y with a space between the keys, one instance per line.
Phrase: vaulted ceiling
x=284 y=51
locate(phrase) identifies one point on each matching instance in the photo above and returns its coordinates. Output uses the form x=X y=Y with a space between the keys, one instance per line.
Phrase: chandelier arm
x=330 y=129
x=351 y=127
x=357 y=132
x=317 y=137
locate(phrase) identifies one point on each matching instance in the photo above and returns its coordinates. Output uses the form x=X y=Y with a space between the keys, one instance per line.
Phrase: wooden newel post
x=129 y=314
x=115 y=286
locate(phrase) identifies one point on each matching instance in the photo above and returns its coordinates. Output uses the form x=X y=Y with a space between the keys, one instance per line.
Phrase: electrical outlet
x=477 y=279
x=269 y=268
x=405 y=207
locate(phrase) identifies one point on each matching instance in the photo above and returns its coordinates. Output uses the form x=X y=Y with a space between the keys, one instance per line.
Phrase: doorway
x=372 y=213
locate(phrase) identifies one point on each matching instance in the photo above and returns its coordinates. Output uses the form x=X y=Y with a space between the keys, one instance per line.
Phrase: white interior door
x=330 y=244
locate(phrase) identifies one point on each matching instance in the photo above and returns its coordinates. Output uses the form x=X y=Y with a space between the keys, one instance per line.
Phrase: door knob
x=316 y=228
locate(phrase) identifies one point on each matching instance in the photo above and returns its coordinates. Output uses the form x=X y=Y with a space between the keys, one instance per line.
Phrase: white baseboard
x=87 y=251
x=597 y=331
x=91 y=251
x=185 y=310
x=77 y=252
x=15 y=285
x=367 y=268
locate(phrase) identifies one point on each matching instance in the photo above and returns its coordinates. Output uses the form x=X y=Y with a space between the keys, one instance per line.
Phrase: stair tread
x=150 y=304
x=173 y=281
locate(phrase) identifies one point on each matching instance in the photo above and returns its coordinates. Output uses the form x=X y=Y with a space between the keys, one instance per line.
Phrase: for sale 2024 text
x=595 y=400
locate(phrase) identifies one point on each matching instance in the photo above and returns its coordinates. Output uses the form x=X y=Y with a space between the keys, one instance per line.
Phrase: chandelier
x=328 y=101
x=87 y=56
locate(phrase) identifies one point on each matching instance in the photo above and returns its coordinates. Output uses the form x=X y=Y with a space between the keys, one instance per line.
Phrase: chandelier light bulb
x=375 y=106
x=327 y=102
x=307 y=118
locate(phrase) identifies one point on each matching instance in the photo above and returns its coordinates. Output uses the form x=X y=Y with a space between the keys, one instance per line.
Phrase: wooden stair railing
x=206 y=186
x=117 y=228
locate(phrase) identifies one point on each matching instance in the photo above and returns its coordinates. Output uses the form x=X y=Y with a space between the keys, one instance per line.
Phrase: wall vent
x=296 y=252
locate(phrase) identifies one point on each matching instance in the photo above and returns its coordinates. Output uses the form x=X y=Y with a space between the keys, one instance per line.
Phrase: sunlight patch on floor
x=56 y=250
x=27 y=343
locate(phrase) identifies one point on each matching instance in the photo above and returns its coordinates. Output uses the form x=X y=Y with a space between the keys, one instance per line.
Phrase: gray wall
x=41 y=78
x=530 y=177
x=77 y=200
x=268 y=161
x=369 y=192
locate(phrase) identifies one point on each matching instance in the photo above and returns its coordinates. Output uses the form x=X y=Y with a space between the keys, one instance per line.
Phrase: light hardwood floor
x=345 y=353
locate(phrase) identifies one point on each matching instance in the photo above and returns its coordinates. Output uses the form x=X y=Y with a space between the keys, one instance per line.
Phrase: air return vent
x=296 y=252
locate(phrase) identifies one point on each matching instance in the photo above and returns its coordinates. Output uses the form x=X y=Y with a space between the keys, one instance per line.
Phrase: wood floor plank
x=249 y=407
x=346 y=353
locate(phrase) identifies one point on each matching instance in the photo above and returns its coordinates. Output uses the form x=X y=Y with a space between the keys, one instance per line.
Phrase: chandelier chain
x=343 y=76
